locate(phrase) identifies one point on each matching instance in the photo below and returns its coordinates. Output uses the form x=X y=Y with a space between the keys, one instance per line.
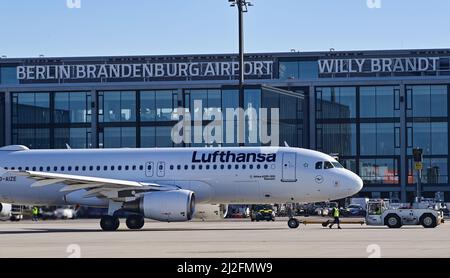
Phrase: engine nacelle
x=210 y=212
x=5 y=210
x=167 y=206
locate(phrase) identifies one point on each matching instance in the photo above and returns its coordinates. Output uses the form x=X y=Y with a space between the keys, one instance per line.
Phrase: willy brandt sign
x=375 y=65
x=144 y=70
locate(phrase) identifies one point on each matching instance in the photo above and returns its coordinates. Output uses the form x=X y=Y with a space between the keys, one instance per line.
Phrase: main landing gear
x=110 y=223
x=135 y=222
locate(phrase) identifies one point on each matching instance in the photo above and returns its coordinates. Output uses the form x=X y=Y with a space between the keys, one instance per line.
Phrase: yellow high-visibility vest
x=35 y=211
x=336 y=212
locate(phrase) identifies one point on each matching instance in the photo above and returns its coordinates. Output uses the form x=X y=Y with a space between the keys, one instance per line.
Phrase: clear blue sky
x=133 y=27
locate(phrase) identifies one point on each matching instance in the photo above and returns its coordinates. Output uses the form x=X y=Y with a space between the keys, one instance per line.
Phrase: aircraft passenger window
x=112 y=167
x=243 y=167
x=20 y=168
x=258 y=166
x=26 y=168
x=12 y=168
x=171 y=167
x=266 y=166
x=69 y=168
x=6 y=168
x=207 y=167
x=229 y=167
x=222 y=166
x=91 y=168
x=83 y=168
x=41 y=169
x=55 y=168
x=141 y=167
x=178 y=167
x=319 y=165
x=119 y=167
x=105 y=168
x=134 y=167
x=200 y=167
x=186 y=167
x=328 y=165
x=215 y=167
x=77 y=168
x=149 y=167
x=250 y=166
x=127 y=167
x=193 y=167
x=236 y=166
x=62 y=168
x=98 y=168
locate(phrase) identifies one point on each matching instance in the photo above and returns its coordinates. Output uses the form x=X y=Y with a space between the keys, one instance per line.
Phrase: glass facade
x=43 y=120
x=362 y=126
x=427 y=126
x=298 y=70
x=72 y=107
x=8 y=75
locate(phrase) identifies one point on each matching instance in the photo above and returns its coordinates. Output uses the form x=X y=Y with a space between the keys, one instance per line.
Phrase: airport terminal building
x=371 y=108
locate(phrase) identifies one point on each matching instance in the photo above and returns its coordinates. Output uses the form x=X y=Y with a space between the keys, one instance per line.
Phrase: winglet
x=286 y=144
x=68 y=147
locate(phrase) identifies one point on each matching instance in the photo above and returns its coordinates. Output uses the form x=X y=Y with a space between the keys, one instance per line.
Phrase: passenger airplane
x=165 y=183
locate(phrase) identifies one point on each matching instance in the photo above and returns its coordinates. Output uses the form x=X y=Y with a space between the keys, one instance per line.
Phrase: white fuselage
x=247 y=175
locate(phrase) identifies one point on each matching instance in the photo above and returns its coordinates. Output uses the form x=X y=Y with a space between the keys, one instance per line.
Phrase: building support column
x=94 y=119
x=312 y=117
x=403 y=144
x=8 y=119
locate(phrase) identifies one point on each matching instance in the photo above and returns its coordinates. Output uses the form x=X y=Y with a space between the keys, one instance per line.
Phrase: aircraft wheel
x=109 y=223
x=293 y=223
x=135 y=222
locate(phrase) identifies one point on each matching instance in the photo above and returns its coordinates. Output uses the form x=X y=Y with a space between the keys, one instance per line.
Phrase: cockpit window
x=319 y=165
x=328 y=165
x=337 y=165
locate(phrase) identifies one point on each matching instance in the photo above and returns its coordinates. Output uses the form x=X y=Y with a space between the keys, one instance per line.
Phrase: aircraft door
x=161 y=169
x=289 y=167
x=149 y=169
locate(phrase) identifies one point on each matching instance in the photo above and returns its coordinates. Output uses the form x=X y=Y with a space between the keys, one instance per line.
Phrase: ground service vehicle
x=380 y=214
x=262 y=212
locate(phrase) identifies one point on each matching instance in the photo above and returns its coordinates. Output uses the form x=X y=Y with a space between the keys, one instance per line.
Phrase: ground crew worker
x=336 y=214
x=378 y=210
x=35 y=213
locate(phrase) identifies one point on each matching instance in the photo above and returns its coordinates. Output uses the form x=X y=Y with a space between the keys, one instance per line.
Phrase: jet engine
x=5 y=211
x=167 y=206
x=207 y=212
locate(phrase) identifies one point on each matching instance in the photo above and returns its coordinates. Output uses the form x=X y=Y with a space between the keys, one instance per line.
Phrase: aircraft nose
x=355 y=183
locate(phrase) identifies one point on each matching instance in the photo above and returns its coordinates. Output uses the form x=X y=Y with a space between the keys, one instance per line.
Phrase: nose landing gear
x=293 y=223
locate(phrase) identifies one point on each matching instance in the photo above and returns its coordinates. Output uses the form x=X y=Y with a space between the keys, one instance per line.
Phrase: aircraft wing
x=114 y=189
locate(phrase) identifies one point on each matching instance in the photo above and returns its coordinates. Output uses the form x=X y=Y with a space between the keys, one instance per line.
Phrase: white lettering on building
x=375 y=65
x=147 y=70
